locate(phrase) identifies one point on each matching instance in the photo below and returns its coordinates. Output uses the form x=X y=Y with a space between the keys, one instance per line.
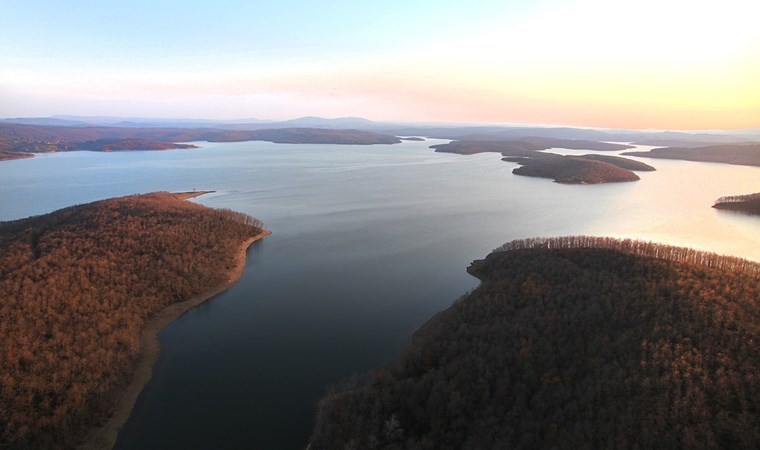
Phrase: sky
x=636 y=64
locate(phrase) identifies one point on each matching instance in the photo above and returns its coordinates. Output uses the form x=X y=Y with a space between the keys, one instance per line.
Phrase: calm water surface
x=368 y=243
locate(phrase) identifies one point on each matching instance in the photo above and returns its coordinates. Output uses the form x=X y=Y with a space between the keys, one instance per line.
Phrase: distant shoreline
x=105 y=436
x=186 y=195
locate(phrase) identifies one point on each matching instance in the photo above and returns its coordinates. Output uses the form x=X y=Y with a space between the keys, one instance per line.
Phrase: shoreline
x=105 y=435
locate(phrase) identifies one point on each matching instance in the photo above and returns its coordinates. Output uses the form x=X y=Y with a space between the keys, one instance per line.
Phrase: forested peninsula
x=77 y=287
x=749 y=203
x=574 y=342
x=5 y=156
x=739 y=154
x=585 y=169
x=27 y=139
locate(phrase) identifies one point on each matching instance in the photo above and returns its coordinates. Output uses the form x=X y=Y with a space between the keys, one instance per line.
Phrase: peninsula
x=749 y=203
x=23 y=138
x=6 y=156
x=575 y=342
x=114 y=145
x=520 y=147
x=83 y=292
x=574 y=169
x=586 y=169
x=739 y=154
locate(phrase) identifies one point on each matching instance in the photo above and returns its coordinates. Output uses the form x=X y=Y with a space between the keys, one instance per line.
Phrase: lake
x=368 y=242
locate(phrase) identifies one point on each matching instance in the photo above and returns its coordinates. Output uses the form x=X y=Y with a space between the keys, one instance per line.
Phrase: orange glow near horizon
x=650 y=64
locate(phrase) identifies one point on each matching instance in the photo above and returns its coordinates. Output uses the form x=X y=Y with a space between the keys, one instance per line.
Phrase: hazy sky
x=631 y=64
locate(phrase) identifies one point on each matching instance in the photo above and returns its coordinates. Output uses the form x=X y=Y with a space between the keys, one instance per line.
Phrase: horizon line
x=253 y=120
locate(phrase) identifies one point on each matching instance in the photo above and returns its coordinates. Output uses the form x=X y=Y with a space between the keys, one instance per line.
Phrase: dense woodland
x=113 y=145
x=624 y=163
x=749 y=203
x=77 y=286
x=571 y=343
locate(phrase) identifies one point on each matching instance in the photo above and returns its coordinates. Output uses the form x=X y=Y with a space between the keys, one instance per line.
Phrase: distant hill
x=740 y=154
x=78 y=285
x=507 y=133
x=575 y=342
x=322 y=136
x=357 y=123
x=112 y=145
x=36 y=138
x=46 y=121
x=434 y=130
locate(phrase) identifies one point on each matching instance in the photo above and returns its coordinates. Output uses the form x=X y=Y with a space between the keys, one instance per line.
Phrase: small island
x=413 y=138
x=749 y=204
x=571 y=342
x=83 y=294
x=574 y=169
x=739 y=154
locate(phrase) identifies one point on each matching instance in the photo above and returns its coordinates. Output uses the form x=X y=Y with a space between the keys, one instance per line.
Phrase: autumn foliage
x=76 y=288
x=574 y=342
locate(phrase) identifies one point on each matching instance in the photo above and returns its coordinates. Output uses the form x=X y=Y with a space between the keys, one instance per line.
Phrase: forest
x=12 y=155
x=749 y=203
x=20 y=138
x=76 y=287
x=571 y=342
x=585 y=169
x=572 y=169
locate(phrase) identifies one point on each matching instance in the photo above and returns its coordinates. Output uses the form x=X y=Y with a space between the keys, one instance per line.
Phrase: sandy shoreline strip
x=105 y=436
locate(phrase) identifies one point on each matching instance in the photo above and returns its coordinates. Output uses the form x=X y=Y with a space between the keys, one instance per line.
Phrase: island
x=412 y=138
x=571 y=342
x=573 y=169
x=749 y=204
x=24 y=139
x=739 y=154
x=585 y=169
x=83 y=293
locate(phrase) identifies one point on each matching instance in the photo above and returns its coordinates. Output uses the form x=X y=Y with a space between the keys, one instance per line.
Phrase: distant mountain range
x=64 y=133
x=237 y=124
x=434 y=130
